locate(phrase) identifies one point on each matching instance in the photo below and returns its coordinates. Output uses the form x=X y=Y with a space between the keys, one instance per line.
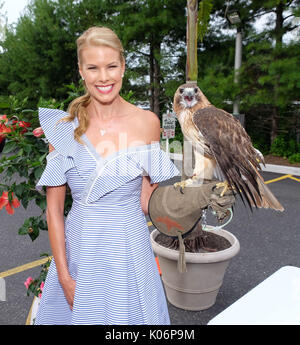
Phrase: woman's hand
x=68 y=286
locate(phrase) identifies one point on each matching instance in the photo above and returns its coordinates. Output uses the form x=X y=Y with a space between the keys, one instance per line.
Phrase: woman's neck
x=105 y=112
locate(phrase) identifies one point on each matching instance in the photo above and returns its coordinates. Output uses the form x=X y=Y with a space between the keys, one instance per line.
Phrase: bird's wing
x=232 y=149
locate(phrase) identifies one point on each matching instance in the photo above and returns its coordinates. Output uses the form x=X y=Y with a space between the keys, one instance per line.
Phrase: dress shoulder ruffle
x=147 y=160
x=61 y=136
x=156 y=164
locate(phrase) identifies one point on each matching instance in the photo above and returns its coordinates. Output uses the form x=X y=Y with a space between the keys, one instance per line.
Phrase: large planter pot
x=197 y=288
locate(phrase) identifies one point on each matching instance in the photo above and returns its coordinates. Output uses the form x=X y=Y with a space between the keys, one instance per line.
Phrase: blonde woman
x=107 y=150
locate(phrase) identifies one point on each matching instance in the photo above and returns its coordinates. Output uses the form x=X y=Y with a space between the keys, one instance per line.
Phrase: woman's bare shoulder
x=149 y=124
x=144 y=124
x=145 y=115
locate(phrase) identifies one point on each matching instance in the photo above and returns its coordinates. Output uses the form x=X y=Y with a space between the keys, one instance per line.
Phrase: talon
x=225 y=186
x=181 y=190
x=181 y=184
x=195 y=178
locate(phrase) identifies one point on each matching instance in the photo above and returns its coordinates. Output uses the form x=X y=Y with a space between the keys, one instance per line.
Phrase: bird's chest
x=193 y=134
x=189 y=130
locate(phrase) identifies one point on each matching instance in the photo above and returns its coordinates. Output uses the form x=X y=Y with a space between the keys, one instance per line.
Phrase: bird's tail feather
x=266 y=199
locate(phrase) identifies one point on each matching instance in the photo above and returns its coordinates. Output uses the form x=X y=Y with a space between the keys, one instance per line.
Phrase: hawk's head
x=188 y=96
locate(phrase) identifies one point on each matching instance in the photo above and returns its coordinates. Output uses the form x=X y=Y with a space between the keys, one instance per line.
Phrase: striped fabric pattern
x=108 y=246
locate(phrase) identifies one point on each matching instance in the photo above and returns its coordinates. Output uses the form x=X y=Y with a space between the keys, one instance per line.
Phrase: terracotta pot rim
x=221 y=255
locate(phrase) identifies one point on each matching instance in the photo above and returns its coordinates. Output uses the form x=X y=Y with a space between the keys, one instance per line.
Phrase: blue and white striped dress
x=108 y=247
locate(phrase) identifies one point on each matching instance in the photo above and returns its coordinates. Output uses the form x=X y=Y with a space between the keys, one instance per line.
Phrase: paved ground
x=268 y=240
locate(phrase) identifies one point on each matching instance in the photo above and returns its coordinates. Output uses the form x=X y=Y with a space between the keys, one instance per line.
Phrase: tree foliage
x=269 y=77
x=153 y=32
x=38 y=56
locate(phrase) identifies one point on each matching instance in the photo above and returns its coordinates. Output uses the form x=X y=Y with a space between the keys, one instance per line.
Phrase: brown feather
x=235 y=155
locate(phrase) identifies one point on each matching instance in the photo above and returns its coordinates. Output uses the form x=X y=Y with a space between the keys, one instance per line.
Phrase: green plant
x=261 y=145
x=294 y=158
x=24 y=156
x=36 y=286
x=284 y=147
x=278 y=146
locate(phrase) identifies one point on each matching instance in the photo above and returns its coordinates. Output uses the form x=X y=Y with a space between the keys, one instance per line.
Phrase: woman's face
x=102 y=71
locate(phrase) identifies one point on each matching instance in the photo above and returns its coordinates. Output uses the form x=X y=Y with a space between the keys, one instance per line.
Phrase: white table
x=275 y=301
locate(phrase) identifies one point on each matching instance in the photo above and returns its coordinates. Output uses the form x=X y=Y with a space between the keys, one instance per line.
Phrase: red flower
x=8 y=205
x=3 y=128
x=21 y=124
x=3 y=117
x=37 y=132
x=28 y=281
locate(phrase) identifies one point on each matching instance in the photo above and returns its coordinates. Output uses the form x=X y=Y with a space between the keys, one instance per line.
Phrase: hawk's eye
x=181 y=90
x=196 y=90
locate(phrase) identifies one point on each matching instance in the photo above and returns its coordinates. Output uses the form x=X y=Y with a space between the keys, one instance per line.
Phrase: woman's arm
x=153 y=135
x=147 y=189
x=56 y=231
x=55 y=221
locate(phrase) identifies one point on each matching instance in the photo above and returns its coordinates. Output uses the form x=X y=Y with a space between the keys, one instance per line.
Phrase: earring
x=82 y=78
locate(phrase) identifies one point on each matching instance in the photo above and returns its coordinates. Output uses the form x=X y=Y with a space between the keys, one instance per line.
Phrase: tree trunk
x=191 y=41
x=279 y=24
x=273 y=132
x=151 y=73
x=278 y=33
x=156 y=78
x=191 y=72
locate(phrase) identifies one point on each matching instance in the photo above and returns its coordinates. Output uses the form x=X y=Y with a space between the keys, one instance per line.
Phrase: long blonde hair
x=94 y=36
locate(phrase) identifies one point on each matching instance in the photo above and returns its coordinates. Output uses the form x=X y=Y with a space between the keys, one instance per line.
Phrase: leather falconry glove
x=176 y=214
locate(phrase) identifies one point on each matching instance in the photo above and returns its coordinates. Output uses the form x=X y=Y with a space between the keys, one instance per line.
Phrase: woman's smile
x=105 y=89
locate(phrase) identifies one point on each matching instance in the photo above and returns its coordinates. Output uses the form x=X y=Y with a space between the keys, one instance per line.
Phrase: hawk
x=222 y=148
